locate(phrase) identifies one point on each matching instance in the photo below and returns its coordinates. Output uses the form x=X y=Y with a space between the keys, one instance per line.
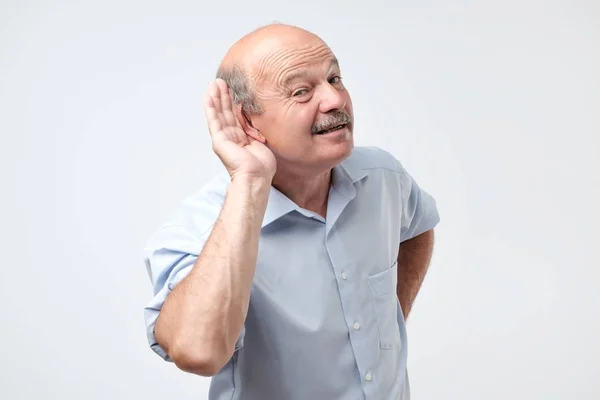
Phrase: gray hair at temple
x=240 y=88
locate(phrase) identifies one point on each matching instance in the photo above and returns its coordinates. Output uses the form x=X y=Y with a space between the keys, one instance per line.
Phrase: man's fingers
x=214 y=91
x=212 y=116
x=224 y=94
x=226 y=105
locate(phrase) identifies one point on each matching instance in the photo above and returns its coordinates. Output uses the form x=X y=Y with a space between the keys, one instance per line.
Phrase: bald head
x=246 y=63
x=265 y=40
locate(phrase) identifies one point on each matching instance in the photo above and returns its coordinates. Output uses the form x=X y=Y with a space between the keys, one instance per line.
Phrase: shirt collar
x=277 y=206
x=344 y=176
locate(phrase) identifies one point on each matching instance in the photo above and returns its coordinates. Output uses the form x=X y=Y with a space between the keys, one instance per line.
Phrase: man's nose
x=331 y=99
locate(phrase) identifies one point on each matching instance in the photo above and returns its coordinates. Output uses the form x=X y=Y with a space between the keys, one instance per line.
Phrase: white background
x=493 y=106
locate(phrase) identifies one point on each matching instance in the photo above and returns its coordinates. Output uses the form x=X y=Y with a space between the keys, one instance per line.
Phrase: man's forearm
x=414 y=257
x=203 y=316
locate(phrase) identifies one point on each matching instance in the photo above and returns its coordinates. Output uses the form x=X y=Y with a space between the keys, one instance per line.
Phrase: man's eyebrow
x=333 y=64
x=295 y=76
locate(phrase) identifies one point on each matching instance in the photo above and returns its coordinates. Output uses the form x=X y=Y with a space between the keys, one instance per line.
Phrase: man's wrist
x=253 y=184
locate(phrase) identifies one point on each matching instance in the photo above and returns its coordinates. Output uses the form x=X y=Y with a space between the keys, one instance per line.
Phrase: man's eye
x=335 y=79
x=300 y=92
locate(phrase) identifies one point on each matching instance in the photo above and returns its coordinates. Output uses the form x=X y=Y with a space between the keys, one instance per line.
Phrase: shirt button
x=356 y=326
x=344 y=276
x=368 y=376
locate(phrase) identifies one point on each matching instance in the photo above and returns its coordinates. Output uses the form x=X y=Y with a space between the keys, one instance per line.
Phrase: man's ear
x=248 y=125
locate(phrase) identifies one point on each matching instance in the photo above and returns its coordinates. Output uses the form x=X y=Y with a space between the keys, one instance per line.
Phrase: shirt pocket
x=382 y=287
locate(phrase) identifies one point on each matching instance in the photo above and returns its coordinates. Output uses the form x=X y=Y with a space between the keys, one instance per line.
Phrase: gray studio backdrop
x=493 y=106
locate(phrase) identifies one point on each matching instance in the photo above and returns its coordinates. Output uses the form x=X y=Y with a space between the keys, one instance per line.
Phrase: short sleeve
x=169 y=257
x=419 y=208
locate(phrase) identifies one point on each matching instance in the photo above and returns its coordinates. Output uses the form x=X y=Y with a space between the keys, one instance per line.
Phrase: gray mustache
x=334 y=119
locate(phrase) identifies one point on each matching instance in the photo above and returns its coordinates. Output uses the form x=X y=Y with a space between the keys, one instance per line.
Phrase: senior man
x=290 y=275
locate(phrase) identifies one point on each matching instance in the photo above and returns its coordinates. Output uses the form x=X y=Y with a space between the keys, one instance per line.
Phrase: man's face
x=301 y=92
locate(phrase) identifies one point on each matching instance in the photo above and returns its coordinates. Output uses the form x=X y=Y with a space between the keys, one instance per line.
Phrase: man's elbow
x=204 y=362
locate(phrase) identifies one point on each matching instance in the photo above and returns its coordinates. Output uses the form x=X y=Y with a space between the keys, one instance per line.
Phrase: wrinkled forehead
x=280 y=63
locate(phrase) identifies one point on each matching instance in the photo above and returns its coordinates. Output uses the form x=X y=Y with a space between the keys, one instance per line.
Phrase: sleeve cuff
x=152 y=311
x=425 y=215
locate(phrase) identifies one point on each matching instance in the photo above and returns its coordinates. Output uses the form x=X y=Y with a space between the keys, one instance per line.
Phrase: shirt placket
x=357 y=309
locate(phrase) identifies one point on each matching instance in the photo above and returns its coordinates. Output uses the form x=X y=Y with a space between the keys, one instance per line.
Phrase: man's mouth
x=332 y=129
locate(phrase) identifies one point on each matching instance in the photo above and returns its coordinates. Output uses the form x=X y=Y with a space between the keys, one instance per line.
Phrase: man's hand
x=242 y=155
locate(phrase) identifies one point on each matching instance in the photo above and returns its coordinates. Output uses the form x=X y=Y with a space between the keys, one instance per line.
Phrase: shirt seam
x=383 y=168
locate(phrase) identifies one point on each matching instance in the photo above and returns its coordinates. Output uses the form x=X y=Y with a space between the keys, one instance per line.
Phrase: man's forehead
x=286 y=64
x=330 y=63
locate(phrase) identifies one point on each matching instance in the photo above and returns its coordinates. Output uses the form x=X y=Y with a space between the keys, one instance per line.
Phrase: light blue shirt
x=324 y=320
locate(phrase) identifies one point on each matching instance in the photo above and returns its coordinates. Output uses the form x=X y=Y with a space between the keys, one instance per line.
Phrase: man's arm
x=414 y=257
x=203 y=316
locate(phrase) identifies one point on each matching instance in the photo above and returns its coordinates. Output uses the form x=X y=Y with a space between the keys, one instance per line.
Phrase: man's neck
x=308 y=192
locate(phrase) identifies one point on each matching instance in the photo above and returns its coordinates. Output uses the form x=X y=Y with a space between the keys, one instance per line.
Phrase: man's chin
x=342 y=150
